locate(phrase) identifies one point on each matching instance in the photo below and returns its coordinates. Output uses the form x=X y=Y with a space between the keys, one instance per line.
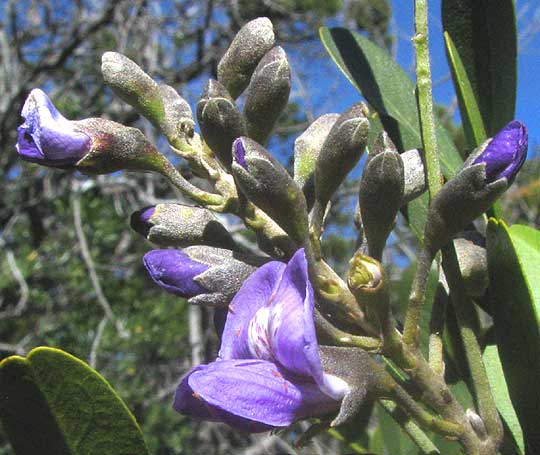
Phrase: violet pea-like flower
x=505 y=153
x=268 y=373
x=46 y=137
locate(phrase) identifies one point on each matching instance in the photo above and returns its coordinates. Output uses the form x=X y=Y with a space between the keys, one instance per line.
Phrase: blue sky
x=338 y=94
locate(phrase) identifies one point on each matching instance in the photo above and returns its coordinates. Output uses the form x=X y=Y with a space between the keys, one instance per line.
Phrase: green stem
x=416 y=434
x=417 y=298
x=464 y=308
x=198 y=195
x=425 y=98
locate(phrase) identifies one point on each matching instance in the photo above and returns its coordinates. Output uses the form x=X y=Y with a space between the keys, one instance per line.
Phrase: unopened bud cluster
x=199 y=260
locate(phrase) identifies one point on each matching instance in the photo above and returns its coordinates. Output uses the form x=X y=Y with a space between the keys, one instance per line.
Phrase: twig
x=85 y=252
x=92 y=359
x=23 y=285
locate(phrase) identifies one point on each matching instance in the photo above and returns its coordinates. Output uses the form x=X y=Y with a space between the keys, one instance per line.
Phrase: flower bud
x=140 y=220
x=174 y=271
x=267 y=94
x=180 y=225
x=485 y=176
x=380 y=197
x=472 y=260
x=367 y=281
x=307 y=148
x=269 y=186
x=48 y=138
x=341 y=151
x=505 y=153
x=117 y=147
x=250 y=44
x=414 y=174
x=204 y=275
x=130 y=83
x=160 y=104
x=178 y=121
x=458 y=203
x=220 y=120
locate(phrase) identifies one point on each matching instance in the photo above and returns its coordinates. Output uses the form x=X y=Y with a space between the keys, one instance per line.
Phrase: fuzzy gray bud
x=269 y=186
x=472 y=260
x=178 y=121
x=380 y=197
x=307 y=148
x=133 y=85
x=220 y=120
x=341 y=151
x=414 y=173
x=181 y=225
x=267 y=94
x=458 y=203
x=226 y=273
x=117 y=147
x=250 y=44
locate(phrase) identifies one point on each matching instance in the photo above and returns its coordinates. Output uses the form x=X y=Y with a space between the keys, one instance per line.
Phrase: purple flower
x=48 y=138
x=202 y=274
x=140 y=220
x=174 y=271
x=506 y=152
x=268 y=373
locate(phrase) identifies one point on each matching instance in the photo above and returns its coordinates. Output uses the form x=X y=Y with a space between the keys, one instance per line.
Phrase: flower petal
x=251 y=392
x=46 y=137
x=174 y=271
x=506 y=152
x=189 y=403
x=254 y=294
x=291 y=325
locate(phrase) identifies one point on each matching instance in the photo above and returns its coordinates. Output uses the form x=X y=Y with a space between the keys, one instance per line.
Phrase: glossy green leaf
x=391 y=92
x=513 y=263
x=52 y=402
x=500 y=393
x=470 y=112
x=483 y=34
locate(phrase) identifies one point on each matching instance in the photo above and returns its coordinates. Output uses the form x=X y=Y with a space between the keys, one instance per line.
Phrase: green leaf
x=391 y=92
x=470 y=112
x=513 y=264
x=500 y=393
x=483 y=34
x=52 y=402
x=396 y=441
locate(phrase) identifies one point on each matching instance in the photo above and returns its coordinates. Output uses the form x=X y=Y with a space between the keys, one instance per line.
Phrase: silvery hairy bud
x=484 y=177
x=220 y=120
x=267 y=94
x=117 y=147
x=269 y=186
x=203 y=275
x=178 y=120
x=307 y=148
x=160 y=104
x=250 y=44
x=181 y=225
x=414 y=174
x=472 y=260
x=341 y=151
x=381 y=194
